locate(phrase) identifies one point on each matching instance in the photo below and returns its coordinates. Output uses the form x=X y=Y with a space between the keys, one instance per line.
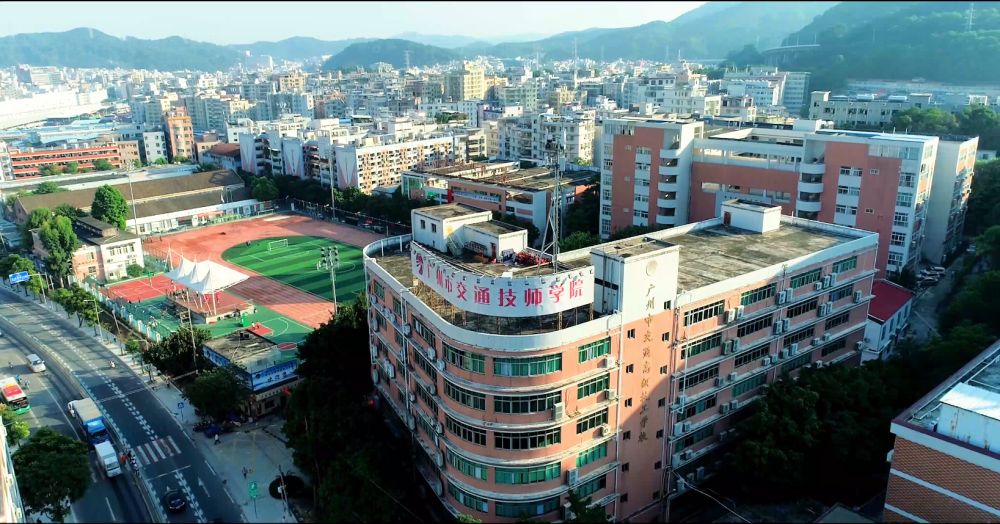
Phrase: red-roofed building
x=888 y=315
x=227 y=156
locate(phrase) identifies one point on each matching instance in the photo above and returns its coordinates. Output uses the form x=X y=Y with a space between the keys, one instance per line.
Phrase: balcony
x=674 y=151
x=811 y=185
x=809 y=202
x=812 y=168
x=666 y=221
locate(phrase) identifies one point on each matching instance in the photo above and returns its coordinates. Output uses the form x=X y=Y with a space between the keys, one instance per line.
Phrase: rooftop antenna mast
x=968 y=24
x=406 y=56
x=555 y=150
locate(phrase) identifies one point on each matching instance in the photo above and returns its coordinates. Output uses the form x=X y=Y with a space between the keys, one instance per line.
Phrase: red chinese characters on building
x=575 y=289
x=507 y=297
x=481 y=295
x=556 y=291
x=533 y=297
x=461 y=291
x=448 y=285
x=439 y=277
x=420 y=264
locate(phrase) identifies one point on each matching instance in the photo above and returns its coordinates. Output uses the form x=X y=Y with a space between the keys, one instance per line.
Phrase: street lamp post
x=135 y=215
x=330 y=259
x=97 y=320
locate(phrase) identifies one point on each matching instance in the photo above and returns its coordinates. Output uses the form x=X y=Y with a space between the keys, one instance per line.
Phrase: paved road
x=108 y=500
x=165 y=452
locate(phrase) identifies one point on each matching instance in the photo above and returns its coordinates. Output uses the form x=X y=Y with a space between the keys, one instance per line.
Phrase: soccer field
x=295 y=264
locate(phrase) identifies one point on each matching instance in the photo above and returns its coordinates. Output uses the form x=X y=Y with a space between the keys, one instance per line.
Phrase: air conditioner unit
x=432 y=388
x=682 y=399
x=439 y=459
x=437 y=488
x=689 y=478
x=678 y=428
x=406 y=329
x=567 y=512
x=391 y=316
x=723 y=435
x=431 y=353
x=819 y=364
x=609 y=362
x=681 y=486
x=687 y=427
x=730 y=315
x=375 y=375
x=736 y=345
x=687 y=454
x=858 y=295
x=734 y=404
x=818 y=286
x=437 y=442
x=833 y=279
x=411 y=422
x=859 y=346
x=783 y=354
x=778 y=327
x=739 y=312
x=826 y=281
x=389 y=370
x=727 y=347
x=374 y=324
x=821 y=310
x=374 y=351
x=817 y=341
x=559 y=411
x=413 y=397
x=612 y=394
x=720 y=381
x=733 y=376
x=381 y=308
x=724 y=409
x=572 y=477
x=767 y=361
x=439 y=428
x=827 y=337
x=699 y=473
x=675 y=460
x=786 y=324
x=781 y=297
x=373 y=299
x=605 y=430
x=440 y=365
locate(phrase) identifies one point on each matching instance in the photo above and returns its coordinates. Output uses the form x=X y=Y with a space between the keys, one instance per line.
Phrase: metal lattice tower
x=554 y=149
x=968 y=24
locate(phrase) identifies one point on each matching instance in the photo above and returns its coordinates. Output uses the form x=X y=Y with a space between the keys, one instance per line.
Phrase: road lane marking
x=142 y=455
x=210 y=468
x=171 y=472
x=174 y=444
x=109 y=508
x=156 y=446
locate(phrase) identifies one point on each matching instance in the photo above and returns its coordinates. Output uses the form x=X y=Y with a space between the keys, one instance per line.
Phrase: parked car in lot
x=937 y=269
x=971 y=249
x=927 y=281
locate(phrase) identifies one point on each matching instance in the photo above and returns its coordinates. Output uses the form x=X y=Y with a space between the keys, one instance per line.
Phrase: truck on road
x=109 y=458
x=90 y=419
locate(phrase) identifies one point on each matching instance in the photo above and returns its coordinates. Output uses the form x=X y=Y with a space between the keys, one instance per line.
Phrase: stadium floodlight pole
x=135 y=215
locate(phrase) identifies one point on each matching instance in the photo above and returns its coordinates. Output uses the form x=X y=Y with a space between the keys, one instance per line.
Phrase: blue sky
x=247 y=22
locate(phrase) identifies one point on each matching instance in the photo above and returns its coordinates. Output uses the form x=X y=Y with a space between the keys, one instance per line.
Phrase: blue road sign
x=180 y=405
x=19 y=277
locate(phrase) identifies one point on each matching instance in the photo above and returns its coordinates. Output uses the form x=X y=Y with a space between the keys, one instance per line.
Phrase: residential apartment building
x=792 y=87
x=949 y=198
x=105 y=251
x=888 y=318
x=621 y=374
x=574 y=133
x=179 y=134
x=863 y=110
x=873 y=181
x=944 y=465
x=27 y=162
x=738 y=108
x=524 y=95
x=466 y=83
x=212 y=112
x=368 y=165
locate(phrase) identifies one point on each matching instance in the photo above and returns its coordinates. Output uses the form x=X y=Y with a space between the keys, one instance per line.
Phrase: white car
x=938 y=269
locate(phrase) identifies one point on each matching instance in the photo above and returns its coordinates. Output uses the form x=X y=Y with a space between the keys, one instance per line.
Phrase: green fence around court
x=296 y=264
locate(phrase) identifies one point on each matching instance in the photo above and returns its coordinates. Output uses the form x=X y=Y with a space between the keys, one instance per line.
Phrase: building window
x=532 y=475
x=804 y=279
x=470 y=468
x=846 y=190
x=756 y=295
x=873 y=171
x=527 y=366
x=750 y=356
x=798 y=336
x=796 y=363
x=465 y=397
x=397 y=307
x=700 y=376
x=782 y=196
x=842 y=292
x=589 y=488
x=592 y=386
x=842 y=318
x=695 y=437
x=592 y=455
x=592 y=421
x=595 y=349
x=527 y=440
x=526 y=404
x=694 y=348
x=467 y=433
x=427 y=399
x=754 y=326
x=696 y=408
x=704 y=313
x=631 y=333
x=467 y=360
x=468 y=500
x=640 y=213
x=625 y=467
x=528 y=509
x=802 y=308
x=379 y=290
x=900 y=219
x=845 y=265
x=710 y=187
x=895 y=259
x=904 y=200
x=423 y=225
x=424 y=332
x=898 y=239
x=434 y=228
x=424 y=364
x=834 y=346
x=749 y=384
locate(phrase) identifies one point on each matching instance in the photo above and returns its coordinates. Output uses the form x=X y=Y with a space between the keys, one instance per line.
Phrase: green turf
x=285 y=329
x=295 y=265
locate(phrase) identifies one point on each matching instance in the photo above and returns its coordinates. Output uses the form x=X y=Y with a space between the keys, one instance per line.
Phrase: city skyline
x=245 y=27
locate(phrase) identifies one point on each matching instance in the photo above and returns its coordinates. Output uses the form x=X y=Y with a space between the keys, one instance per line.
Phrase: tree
x=208 y=166
x=16 y=264
x=583 y=512
x=178 y=353
x=906 y=278
x=36 y=218
x=469 y=519
x=580 y=161
x=110 y=206
x=134 y=270
x=160 y=161
x=630 y=231
x=103 y=165
x=533 y=232
x=71 y=167
x=977 y=303
x=219 y=392
x=82 y=303
x=916 y=120
x=17 y=429
x=988 y=245
x=52 y=470
x=68 y=211
x=584 y=214
x=48 y=187
x=180 y=159
x=264 y=189
x=579 y=240
x=133 y=346
x=48 y=170
x=60 y=241
x=984 y=201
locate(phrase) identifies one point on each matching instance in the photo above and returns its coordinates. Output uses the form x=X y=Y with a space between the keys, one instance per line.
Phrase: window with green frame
x=470 y=468
x=847 y=264
x=593 y=486
x=379 y=289
x=514 y=476
x=467 y=500
x=805 y=278
x=695 y=437
x=749 y=384
x=592 y=386
x=526 y=404
x=696 y=408
x=592 y=455
x=397 y=306
x=467 y=360
x=756 y=295
x=595 y=349
x=693 y=348
x=796 y=363
x=472 y=399
x=526 y=509
x=592 y=421
x=527 y=366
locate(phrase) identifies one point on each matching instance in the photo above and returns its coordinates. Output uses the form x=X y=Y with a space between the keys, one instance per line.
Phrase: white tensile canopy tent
x=205 y=278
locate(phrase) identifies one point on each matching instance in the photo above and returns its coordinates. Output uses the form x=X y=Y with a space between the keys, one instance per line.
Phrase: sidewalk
x=258 y=447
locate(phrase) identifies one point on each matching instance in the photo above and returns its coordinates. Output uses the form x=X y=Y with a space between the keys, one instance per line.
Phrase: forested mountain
x=298 y=48
x=920 y=39
x=390 y=51
x=91 y=48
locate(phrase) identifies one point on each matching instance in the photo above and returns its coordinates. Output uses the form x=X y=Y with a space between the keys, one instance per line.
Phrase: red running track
x=209 y=243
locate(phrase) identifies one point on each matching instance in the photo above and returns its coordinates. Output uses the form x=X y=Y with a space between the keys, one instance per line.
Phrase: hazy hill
x=298 y=48
x=390 y=51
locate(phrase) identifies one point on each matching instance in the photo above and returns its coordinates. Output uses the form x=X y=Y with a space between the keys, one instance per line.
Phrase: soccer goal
x=275 y=244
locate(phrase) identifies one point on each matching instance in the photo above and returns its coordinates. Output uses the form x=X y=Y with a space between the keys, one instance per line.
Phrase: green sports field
x=295 y=264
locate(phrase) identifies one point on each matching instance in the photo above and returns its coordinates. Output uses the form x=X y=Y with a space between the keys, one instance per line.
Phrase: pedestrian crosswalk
x=156 y=451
